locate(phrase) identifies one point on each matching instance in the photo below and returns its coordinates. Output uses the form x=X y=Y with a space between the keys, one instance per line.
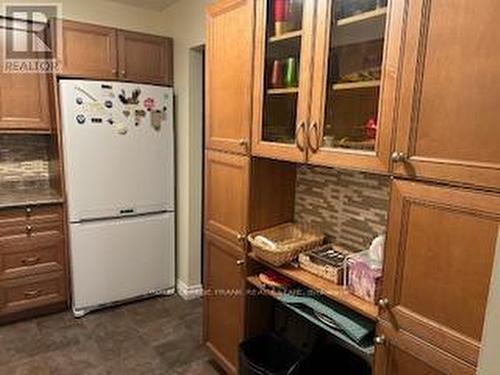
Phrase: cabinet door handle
x=243 y=142
x=32 y=293
x=240 y=237
x=29 y=210
x=240 y=262
x=383 y=303
x=299 y=137
x=123 y=72
x=29 y=230
x=379 y=340
x=114 y=71
x=399 y=157
x=313 y=129
x=30 y=261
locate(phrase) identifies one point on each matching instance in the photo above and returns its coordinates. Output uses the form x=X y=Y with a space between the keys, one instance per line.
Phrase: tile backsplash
x=24 y=161
x=350 y=207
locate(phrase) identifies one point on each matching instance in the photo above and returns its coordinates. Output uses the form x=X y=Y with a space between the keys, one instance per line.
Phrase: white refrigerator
x=118 y=143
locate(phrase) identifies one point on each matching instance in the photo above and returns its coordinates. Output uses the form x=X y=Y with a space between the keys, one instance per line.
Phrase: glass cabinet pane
x=354 y=73
x=282 y=66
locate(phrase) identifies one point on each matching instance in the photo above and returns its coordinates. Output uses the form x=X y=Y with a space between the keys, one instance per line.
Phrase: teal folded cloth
x=353 y=325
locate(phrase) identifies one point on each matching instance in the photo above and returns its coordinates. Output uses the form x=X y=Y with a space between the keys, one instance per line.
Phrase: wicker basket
x=289 y=240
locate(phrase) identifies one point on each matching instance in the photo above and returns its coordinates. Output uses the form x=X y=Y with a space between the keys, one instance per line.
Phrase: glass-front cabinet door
x=282 y=78
x=354 y=82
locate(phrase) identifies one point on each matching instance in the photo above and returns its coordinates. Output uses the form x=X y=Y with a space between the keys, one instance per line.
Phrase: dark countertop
x=28 y=197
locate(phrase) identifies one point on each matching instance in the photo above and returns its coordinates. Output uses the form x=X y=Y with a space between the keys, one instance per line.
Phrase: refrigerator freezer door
x=114 y=260
x=118 y=148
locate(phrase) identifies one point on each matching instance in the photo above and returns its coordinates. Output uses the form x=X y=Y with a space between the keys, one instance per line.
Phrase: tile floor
x=155 y=336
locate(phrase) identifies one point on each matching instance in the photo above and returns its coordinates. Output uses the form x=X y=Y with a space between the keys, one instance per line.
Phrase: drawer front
x=31 y=228
x=30 y=255
x=20 y=215
x=31 y=292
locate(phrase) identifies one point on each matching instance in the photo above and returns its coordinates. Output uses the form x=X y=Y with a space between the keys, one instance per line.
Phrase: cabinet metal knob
x=123 y=72
x=114 y=71
x=32 y=293
x=383 y=302
x=29 y=210
x=379 y=340
x=243 y=142
x=29 y=229
x=399 y=157
x=240 y=262
x=240 y=237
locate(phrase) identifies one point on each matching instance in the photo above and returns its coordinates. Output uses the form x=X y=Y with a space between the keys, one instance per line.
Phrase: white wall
x=185 y=22
x=105 y=13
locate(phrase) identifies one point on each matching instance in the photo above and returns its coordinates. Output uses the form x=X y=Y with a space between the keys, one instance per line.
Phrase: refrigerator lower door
x=121 y=259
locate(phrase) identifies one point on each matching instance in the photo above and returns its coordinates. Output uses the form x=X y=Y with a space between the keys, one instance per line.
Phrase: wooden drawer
x=30 y=220
x=31 y=292
x=22 y=255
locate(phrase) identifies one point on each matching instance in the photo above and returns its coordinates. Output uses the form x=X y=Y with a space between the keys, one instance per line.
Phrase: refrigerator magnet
x=156 y=119
x=149 y=104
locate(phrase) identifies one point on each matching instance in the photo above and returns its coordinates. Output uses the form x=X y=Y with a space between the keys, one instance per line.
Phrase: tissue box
x=364 y=276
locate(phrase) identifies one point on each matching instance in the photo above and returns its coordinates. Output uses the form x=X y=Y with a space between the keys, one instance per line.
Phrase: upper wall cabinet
x=145 y=58
x=354 y=83
x=91 y=51
x=448 y=114
x=282 y=68
x=229 y=75
x=24 y=98
x=325 y=81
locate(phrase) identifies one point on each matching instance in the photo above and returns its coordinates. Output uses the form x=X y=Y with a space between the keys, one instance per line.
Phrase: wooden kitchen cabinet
x=438 y=263
x=25 y=103
x=227 y=180
x=357 y=51
x=224 y=302
x=281 y=100
x=399 y=353
x=339 y=111
x=33 y=270
x=229 y=72
x=447 y=127
x=92 y=51
x=145 y=58
x=88 y=51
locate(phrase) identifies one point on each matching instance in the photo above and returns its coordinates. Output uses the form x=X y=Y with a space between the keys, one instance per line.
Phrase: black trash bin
x=269 y=354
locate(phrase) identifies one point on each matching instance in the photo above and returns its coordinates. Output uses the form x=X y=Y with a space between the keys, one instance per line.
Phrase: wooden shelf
x=367 y=16
x=335 y=292
x=356 y=85
x=283 y=91
x=286 y=36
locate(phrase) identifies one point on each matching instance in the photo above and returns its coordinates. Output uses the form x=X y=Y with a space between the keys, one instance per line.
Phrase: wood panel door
x=282 y=79
x=88 y=51
x=227 y=179
x=356 y=65
x=399 y=353
x=224 y=303
x=229 y=75
x=25 y=98
x=438 y=263
x=448 y=114
x=145 y=58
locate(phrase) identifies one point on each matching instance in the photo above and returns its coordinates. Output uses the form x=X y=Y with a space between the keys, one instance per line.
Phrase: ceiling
x=148 y=4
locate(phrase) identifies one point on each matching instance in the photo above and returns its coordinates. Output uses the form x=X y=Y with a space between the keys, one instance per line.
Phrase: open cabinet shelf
x=335 y=292
x=286 y=36
x=356 y=85
x=366 y=16
x=283 y=91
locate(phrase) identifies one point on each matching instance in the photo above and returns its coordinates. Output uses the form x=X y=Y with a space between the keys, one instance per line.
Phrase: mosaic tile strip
x=24 y=161
x=350 y=207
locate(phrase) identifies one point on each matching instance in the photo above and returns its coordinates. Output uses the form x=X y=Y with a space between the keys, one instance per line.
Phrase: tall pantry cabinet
x=405 y=88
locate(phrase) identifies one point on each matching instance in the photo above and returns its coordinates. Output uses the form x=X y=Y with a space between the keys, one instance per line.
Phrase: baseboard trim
x=189 y=292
